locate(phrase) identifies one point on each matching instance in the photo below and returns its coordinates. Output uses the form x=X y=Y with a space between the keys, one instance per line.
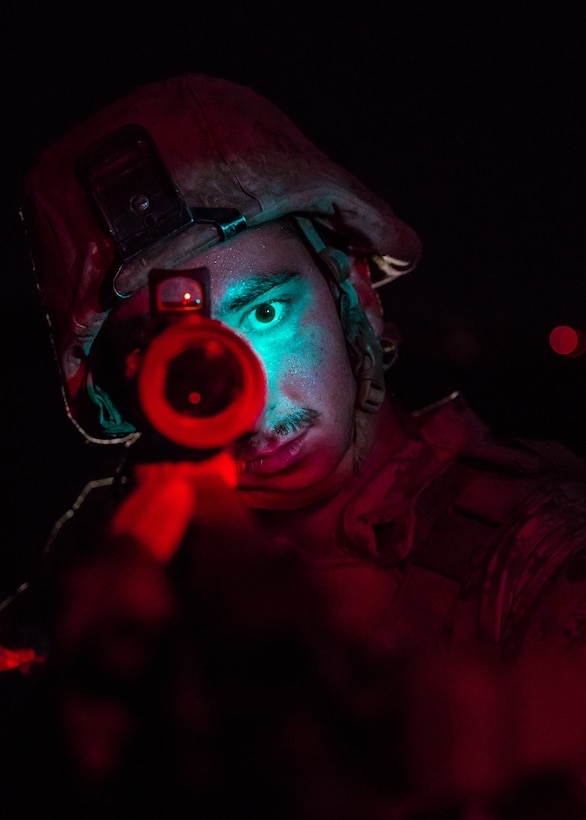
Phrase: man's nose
x=269 y=406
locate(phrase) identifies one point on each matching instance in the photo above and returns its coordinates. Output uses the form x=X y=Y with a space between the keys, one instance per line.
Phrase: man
x=419 y=531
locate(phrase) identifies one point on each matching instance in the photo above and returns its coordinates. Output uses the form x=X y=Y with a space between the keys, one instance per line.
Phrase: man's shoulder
x=502 y=516
x=502 y=483
x=451 y=423
x=454 y=482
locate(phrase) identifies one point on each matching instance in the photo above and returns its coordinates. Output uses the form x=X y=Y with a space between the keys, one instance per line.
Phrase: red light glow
x=567 y=341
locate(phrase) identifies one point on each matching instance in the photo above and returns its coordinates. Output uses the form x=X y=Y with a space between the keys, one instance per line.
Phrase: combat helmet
x=170 y=170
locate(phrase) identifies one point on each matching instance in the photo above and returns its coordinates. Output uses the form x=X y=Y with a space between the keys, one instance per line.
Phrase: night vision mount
x=134 y=198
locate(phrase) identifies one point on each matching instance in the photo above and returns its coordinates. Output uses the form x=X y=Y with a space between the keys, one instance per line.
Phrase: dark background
x=466 y=116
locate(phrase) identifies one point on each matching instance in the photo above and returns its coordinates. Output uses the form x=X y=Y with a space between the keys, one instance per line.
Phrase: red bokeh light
x=567 y=341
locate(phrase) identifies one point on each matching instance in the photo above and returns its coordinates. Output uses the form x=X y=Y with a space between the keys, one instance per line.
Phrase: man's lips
x=271 y=460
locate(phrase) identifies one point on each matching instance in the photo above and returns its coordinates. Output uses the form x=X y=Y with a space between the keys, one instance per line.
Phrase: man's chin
x=269 y=499
x=280 y=493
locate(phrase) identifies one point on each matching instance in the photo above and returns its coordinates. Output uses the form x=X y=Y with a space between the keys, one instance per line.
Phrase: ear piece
x=389 y=342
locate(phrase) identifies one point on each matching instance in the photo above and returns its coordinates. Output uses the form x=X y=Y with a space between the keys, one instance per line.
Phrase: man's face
x=266 y=286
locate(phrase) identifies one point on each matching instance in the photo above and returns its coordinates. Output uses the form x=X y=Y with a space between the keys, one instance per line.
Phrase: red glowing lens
x=200 y=384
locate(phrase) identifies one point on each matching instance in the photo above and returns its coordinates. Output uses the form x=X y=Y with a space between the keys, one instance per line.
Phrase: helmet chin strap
x=364 y=349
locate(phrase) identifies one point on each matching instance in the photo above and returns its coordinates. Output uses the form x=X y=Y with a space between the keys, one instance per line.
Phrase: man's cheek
x=303 y=382
x=294 y=356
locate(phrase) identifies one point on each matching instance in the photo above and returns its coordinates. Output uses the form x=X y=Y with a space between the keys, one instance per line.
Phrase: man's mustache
x=299 y=419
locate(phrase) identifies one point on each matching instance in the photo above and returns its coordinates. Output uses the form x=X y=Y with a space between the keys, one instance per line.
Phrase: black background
x=466 y=116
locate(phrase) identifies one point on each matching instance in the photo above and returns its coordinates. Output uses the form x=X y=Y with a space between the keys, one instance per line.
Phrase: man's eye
x=265 y=313
x=263 y=316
